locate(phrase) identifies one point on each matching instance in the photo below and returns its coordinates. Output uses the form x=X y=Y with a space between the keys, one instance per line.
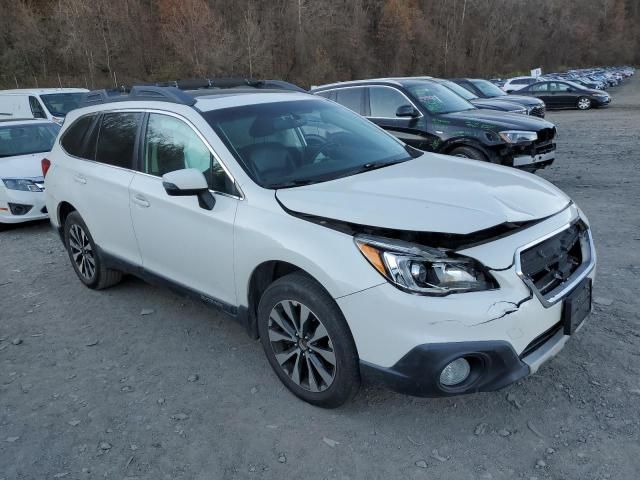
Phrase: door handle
x=80 y=179
x=141 y=201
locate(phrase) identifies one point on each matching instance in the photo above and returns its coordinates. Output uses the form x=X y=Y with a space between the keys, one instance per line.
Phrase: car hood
x=22 y=166
x=498 y=121
x=495 y=104
x=522 y=99
x=432 y=193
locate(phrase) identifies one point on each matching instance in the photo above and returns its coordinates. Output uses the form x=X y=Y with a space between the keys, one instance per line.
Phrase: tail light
x=46 y=164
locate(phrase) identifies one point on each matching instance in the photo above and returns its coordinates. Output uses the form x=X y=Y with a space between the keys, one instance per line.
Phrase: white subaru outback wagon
x=348 y=253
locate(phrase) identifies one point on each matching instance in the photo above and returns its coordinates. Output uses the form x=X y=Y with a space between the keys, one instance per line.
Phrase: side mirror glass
x=189 y=182
x=407 y=111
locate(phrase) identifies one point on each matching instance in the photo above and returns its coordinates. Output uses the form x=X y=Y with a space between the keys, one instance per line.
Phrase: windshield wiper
x=292 y=183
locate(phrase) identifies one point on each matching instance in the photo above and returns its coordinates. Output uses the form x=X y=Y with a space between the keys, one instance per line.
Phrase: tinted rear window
x=117 y=139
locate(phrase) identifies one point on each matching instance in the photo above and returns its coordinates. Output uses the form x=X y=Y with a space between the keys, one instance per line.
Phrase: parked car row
x=347 y=252
x=582 y=89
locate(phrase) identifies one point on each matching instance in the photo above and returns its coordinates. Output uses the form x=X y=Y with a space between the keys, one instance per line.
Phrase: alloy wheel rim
x=82 y=252
x=302 y=346
x=584 y=103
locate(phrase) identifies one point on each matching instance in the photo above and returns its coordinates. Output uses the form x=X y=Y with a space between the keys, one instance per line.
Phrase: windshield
x=439 y=99
x=463 y=92
x=25 y=139
x=286 y=144
x=487 y=88
x=59 y=104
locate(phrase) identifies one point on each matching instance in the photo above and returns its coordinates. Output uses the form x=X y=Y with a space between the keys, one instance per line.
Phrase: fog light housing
x=455 y=372
x=19 y=209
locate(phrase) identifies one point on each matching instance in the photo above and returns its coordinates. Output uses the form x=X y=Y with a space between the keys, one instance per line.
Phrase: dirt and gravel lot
x=136 y=382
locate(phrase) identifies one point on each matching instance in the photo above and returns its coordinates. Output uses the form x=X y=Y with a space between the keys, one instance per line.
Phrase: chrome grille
x=538 y=111
x=551 y=266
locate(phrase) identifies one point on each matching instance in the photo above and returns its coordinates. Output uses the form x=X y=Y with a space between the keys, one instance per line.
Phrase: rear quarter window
x=73 y=140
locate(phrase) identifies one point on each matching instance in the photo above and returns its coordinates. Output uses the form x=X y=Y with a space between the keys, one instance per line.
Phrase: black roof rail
x=236 y=82
x=141 y=92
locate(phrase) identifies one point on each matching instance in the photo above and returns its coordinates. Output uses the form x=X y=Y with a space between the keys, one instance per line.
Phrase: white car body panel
x=185 y=243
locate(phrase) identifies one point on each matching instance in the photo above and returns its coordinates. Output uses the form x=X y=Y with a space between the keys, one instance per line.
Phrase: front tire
x=468 y=152
x=307 y=341
x=85 y=257
x=584 y=103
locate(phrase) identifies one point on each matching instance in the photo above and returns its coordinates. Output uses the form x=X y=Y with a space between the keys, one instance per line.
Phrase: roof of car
x=228 y=99
x=398 y=81
x=42 y=91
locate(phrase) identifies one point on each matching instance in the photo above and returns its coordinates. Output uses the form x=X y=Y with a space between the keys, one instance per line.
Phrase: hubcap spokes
x=302 y=346
x=82 y=252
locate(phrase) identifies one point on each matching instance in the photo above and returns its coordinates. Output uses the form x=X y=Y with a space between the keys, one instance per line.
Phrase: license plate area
x=577 y=306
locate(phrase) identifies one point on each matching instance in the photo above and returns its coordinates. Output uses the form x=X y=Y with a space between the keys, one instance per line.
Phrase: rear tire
x=307 y=341
x=468 y=152
x=85 y=257
x=584 y=103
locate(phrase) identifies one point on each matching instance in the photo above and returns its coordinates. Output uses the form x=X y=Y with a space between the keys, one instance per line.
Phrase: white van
x=49 y=103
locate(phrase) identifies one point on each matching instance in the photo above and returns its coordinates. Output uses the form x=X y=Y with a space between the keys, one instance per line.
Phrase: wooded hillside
x=89 y=42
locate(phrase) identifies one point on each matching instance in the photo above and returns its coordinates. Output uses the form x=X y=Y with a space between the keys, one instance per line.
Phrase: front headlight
x=424 y=270
x=522 y=111
x=518 y=136
x=22 y=184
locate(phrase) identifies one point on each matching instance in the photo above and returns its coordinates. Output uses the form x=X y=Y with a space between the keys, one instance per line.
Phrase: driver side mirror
x=407 y=111
x=189 y=182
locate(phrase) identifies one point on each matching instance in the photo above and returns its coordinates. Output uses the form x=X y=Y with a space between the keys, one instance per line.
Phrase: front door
x=180 y=241
x=383 y=104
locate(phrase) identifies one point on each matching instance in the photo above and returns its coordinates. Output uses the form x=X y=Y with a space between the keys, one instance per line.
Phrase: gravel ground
x=90 y=387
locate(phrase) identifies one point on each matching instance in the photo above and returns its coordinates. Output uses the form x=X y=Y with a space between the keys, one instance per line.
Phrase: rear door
x=99 y=168
x=179 y=240
x=561 y=95
x=541 y=91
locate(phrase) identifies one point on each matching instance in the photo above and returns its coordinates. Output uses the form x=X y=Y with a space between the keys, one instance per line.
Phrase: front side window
x=59 y=104
x=170 y=144
x=27 y=139
x=352 y=98
x=540 y=87
x=36 y=108
x=437 y=98
x=285 y=144
x=385 y=101
x=117 y=139
x=73 y=140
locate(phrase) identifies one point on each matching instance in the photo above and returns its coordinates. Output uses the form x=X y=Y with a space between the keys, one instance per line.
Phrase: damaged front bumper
x=404 y=341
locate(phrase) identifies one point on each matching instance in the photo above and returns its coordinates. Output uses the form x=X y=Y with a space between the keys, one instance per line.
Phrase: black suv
x=486 y=89
x=429 y=116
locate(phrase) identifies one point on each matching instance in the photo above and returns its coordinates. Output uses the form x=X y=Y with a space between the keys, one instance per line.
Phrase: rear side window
x=522 y=81
x=385 y=101
x=352 y=98
x=36 y=108
x=540 y=87
x=73 y=140
x=117 y=139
